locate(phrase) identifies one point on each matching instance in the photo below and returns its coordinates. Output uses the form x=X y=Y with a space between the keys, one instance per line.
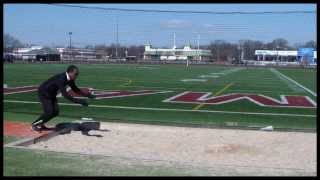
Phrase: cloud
x=176 y=23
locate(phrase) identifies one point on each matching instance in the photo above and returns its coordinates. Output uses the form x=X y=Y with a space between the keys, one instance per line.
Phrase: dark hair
x=71 y=68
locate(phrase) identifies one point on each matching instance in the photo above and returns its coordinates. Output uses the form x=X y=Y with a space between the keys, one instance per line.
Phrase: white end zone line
x=295 y=82
x=166 y=109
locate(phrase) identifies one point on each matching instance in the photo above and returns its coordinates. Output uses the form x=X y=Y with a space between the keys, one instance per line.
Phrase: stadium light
x=70 y=34
x=117 y=37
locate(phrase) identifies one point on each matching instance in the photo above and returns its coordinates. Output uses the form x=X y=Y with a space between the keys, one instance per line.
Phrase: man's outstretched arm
x=70 y=98
x=75 y=88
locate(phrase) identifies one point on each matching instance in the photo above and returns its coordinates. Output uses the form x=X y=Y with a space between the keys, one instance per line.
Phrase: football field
x=170 y=95
x=173 y=94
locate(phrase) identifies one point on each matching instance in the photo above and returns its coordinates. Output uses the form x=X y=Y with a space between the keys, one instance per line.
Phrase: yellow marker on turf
x=127 y=83
x=216 y=94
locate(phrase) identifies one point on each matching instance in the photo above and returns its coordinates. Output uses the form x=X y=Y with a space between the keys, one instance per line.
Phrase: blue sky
x=48 y=25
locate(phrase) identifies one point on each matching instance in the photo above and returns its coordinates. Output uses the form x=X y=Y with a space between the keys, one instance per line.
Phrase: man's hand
x=92 y=96
x=83 y=102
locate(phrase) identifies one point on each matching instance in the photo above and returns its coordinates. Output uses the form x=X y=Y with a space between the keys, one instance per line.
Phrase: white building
x=187 y=53
x=24 y=50
x=80 y=54
x=280 y=56
x=24 y=53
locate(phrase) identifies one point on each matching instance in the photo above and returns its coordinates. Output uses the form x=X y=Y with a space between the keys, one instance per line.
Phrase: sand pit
x=243 y=151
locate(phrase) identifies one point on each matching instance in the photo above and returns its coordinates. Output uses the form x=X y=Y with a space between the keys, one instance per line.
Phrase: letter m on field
x=261 y=100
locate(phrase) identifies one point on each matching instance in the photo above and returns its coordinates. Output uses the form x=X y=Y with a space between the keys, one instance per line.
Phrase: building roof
x=186 y=51
x=43 y=51
x=280 y=53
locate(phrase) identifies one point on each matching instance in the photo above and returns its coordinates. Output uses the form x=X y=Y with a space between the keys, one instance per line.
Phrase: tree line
x=221 y=49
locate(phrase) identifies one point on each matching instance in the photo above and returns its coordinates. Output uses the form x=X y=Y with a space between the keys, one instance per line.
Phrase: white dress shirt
x=68 y=78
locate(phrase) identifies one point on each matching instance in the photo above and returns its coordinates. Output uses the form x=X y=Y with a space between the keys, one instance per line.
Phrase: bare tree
x=249 y=46
x=311 y=44
x=222 y=50
x=279 y=43
x=10 y=43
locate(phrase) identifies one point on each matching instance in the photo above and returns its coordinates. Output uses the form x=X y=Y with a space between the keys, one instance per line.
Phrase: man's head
x=73 y=72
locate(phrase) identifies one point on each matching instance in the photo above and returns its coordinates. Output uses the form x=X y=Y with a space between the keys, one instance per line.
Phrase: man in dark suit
x=48 y=91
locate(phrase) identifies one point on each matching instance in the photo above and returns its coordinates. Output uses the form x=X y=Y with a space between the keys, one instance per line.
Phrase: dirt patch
x=228 y=148
x=19 y=129
x=273 y=153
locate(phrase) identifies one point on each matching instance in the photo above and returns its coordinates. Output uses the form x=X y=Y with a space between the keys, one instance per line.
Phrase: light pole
x=239 y=50
x=277 y=47
x=70 y=34
x=199 y=47
x=117 y=37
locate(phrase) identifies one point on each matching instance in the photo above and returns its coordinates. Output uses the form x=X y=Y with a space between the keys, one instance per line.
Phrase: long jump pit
x=227 y=152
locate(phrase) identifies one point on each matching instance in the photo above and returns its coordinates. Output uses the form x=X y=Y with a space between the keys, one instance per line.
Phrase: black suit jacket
x=49 y=89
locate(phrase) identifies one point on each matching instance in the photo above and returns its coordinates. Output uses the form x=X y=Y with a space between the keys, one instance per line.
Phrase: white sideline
x=166 y=109
x=295 y=82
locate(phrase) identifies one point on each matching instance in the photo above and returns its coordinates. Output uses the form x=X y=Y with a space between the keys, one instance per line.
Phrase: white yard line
x=146 y=87
x=221 y=73
x=293 y=81
x=228 y=71
x=259 y=91
x=194 y=80
x=166 y=109
x=290 y=84
x=23 y=87
x=8 y=93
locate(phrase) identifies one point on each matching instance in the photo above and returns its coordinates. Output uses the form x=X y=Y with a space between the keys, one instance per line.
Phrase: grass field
x=41 y=163
x=168 y=77
x=151 y=109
